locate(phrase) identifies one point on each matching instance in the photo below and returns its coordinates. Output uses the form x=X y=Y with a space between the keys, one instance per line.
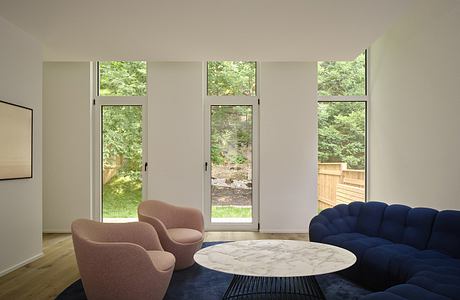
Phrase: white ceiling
x=199 y=30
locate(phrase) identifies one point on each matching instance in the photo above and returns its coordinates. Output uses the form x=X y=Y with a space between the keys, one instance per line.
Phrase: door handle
x=145 y=166
x=206 y=166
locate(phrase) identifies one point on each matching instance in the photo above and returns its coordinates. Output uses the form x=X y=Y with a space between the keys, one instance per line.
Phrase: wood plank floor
x=46 y=277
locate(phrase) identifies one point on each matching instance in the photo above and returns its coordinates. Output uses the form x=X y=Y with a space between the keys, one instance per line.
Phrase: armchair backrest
x=163 y=211
x=113 y=261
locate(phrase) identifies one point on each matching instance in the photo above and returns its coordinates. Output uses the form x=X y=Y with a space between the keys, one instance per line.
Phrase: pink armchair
x=180 y=229
x=121 y=261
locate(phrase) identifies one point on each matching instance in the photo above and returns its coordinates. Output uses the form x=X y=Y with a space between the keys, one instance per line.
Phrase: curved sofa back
x=422 y=228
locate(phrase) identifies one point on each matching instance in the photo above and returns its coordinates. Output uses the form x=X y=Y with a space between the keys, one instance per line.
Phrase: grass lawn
x=230 y=211
x=121 y=198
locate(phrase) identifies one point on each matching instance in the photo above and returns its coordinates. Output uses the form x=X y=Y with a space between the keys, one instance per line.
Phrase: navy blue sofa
x=403 y=252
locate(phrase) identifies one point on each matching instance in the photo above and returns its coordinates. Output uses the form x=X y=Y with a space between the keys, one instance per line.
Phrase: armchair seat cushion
x=162 y=260
x=185 y=235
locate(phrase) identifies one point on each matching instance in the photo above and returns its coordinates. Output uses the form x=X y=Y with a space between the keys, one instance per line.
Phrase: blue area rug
x=198 y=282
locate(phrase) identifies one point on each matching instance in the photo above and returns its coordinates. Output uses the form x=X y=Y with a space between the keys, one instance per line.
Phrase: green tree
x=123 y=78
x=231 y=78
x=122 y=128
x=342 y=78
x=341 y=133
x=231 y=134
x=341 y=125
x=231 y=125
x=122 y=137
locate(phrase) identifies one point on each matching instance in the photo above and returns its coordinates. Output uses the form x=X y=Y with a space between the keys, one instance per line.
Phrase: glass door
x=231 y=163
x=121 y=162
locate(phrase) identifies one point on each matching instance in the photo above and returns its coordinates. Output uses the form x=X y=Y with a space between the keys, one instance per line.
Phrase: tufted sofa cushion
x=405 y=292
x=418 y=226
x=394 y=222
x=370 y=217
x=440 y=283
x=445 y=236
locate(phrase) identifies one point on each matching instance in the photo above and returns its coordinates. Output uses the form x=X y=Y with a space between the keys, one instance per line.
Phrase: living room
x=52 y=61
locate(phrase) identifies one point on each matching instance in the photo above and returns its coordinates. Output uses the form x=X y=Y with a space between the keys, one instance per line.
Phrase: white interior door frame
x=231 y=100
x=98 y=103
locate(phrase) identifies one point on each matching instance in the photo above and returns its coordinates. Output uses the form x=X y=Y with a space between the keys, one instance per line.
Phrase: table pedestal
x=271 y=288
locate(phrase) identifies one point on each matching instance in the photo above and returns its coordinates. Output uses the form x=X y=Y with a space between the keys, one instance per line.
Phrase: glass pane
x=231 y=163
x=122 y=78
x=231 y=78
x=342 y=78
x=341 y=153
x=121 y=161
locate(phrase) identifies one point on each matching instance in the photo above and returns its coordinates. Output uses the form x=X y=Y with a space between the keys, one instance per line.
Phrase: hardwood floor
x=46 y=277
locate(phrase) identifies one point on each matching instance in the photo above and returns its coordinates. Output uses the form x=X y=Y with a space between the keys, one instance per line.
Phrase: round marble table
x=274 y=268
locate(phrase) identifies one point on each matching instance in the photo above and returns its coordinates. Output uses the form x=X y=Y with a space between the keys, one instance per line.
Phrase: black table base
x=271 y=288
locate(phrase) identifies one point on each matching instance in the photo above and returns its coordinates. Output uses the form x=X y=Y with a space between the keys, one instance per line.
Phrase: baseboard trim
x=283 y=230
x=21 y=264
x=57 y=231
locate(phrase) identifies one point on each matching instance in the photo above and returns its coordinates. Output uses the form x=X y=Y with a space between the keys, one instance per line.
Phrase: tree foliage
x=342 y=125
x=231 y=134
x=342 y=78
x=341 y=133
x=122 y=125
x=231 y=78
x=123 y=78
x=231 y=126
x=122 y=139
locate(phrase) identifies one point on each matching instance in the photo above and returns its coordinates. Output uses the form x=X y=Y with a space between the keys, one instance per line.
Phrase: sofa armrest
x=318 y=229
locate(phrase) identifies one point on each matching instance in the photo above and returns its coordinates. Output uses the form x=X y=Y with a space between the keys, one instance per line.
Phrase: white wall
x=175 y=142
x=288 y=146
x=414 y=113
x=66 y=144
x=21 y=200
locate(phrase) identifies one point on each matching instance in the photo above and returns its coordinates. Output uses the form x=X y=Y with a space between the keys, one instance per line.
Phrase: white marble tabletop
x=275 y=258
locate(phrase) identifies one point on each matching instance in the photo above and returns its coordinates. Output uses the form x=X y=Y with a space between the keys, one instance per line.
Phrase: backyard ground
x=231 y=194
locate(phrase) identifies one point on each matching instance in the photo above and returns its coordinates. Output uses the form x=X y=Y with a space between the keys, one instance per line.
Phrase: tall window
x=342 y=121
x=231 y=145
x=120 y=104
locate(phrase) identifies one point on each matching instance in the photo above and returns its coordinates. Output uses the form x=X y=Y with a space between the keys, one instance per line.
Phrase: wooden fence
x=337 y=184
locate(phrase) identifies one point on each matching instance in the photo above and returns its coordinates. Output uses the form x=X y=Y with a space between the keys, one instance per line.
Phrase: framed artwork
x=16 y=141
